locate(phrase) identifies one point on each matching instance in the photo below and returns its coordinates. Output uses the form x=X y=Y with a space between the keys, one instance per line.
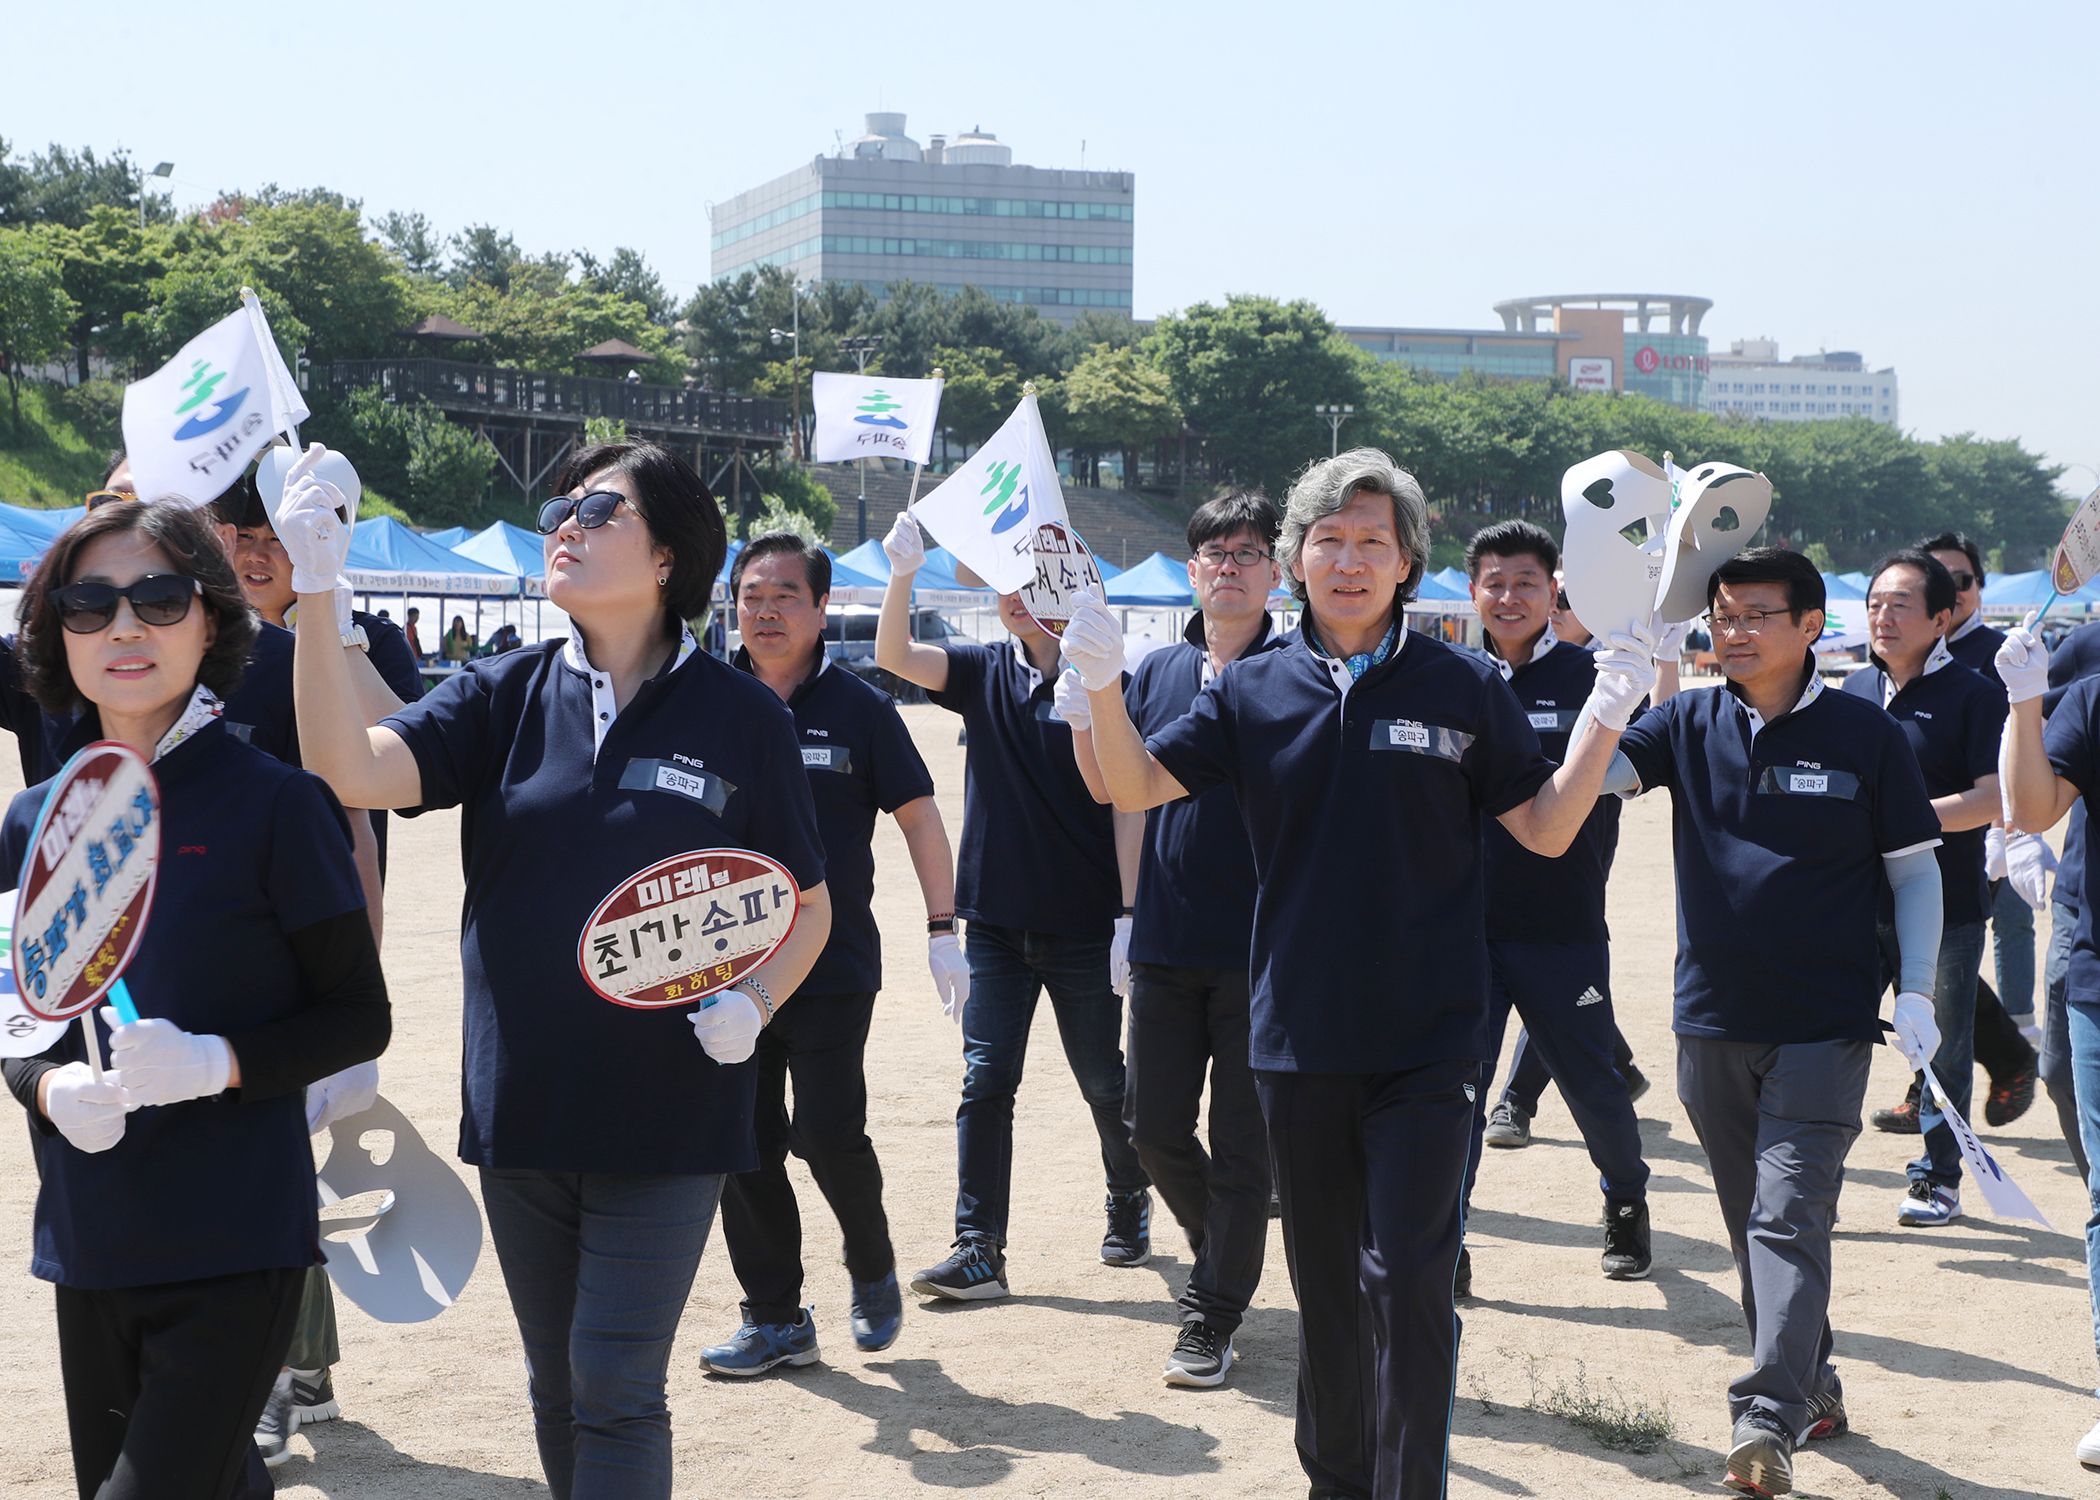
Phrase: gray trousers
x=1776 y=1122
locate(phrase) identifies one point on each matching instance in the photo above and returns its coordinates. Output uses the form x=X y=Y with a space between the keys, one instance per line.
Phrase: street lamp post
x=1336 y=416
x=165 y=169
x=794 y=332
x=860 y=346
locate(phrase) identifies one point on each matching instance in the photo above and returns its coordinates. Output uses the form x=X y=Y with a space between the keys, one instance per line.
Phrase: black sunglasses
x=160 y=599
x=591 y=512
x=108 y=497
x=1963 y=582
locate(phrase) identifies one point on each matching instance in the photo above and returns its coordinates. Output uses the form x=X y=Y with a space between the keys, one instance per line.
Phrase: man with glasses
x=1793 y=805
x=1188 y=948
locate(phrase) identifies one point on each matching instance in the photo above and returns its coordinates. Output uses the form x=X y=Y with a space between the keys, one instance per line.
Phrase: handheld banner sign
x=1063 y=567
x=1617 y=507
x=87 y=884
x=400 y=1229
x=21 y=1034
x=2006 y=1197
x=687 y=926
x=1718 y=509
x=2078 y=554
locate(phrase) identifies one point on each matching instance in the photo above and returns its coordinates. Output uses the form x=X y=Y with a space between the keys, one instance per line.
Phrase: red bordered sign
x=687 y=926
x=87 y=884
x=1063 y=567
x=2078 y=554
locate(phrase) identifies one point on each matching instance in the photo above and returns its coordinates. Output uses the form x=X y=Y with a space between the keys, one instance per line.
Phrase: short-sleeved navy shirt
x=1779 y=839
x=251 y=851
x=260 y=710
x=2072 y=740
x=1364 y=813
x=2075 y=659
x=1977 y=649
x=557 y=1078
x=1195 y=893
x=388 y=651
x=1038 y=852
x=1533 y=899
x=1952 y=718
x=860 y=758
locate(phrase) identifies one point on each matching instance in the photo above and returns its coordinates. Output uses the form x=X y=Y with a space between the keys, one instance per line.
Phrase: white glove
x=314 y=537
x=2023 y=661
x=951 y=973
x=341 y=1095
x=163 y=1064
x=1071 y=700
x=87 y=1113
x=1669 y=646
x=729 y=1028
x=1994 y=853
x=2028 y=861
x=904 y=547
x=1917 y=1033
x=1625 y=675
x=1119 y=958
x=1093 y=641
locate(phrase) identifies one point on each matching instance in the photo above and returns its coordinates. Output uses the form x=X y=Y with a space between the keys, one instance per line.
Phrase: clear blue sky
x=1915 y=181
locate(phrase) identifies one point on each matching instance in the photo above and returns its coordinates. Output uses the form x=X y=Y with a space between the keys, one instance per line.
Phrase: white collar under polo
x=603 y=709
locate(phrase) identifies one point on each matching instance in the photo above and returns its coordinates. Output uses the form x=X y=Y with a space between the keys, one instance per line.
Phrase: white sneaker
x=1925 y=1206
x=2089 y=1447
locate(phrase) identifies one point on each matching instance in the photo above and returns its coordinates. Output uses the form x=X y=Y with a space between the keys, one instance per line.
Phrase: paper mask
x=1610 y=575
x=276 y=463
x=1718 y=509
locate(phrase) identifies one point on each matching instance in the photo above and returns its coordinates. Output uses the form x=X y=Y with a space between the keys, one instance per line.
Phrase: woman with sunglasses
x=601 y=1132
x=176 y=1213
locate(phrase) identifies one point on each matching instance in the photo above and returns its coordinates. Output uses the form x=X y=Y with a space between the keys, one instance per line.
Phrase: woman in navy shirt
x=602 y=1132
x=177 y=1214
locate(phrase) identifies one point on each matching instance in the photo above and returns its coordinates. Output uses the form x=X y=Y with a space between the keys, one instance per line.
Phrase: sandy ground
x=1966 y=1352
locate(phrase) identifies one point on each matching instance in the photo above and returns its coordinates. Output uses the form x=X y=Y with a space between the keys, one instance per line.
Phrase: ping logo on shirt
x=1809 y=781
x=1417 y=738
x=703 y=787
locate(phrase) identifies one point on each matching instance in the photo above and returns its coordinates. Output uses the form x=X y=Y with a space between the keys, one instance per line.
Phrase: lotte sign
x=1648 y=361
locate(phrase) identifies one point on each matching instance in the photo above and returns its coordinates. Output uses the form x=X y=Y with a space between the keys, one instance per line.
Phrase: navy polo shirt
x=1038 y=852
x=388 y=650
x=1530 y=898
x=860 y=758
x=260 y=709
x=1195 y=894
x=1779 y=837
x=1952 y=718
x=1364 y=811
x=1977 y=647
x=36 y=733
x=557 y=1078
x=2072 y=739
x=251 y=850
x=2076 y=659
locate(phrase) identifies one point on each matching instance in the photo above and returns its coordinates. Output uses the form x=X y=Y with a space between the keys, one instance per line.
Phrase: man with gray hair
x=1364 y=760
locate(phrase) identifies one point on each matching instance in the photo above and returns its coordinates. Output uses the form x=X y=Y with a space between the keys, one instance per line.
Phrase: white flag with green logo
x=191 y=427
x=871 y=416
x=987 y=511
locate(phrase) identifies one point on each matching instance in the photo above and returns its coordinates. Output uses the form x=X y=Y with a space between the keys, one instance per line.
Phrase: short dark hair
x=1234 y=509
x=185 y=538
x=1512 y=539
x=677 y=507
x=242 y=506
x=1939 y=583
x=116 y=462
x=816 y=562
x=1955 y=541
x=1804 y=585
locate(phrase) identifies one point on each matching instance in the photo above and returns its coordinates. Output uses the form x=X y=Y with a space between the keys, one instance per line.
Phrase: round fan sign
x=687 y=926
x=2078 y=554
x=87 y=883
x=1063 y=567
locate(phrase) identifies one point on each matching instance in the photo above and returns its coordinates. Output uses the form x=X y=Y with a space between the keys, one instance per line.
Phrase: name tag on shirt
x=1417 y=738
x=828 y=758
x=705 y=788
x=1794 y=781
x=1552 y=720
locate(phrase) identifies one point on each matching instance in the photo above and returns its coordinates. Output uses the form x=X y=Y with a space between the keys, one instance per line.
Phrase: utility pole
x=1336 y=416
x=860 y=346
x=165 y=169
x=794 y=332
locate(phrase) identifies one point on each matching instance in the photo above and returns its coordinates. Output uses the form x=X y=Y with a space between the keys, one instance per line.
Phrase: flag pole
x=273 y=362
x=939 y=375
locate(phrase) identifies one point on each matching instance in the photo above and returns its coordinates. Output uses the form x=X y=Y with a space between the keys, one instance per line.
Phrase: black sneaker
x=1761 y=1456
x=2008 y=1101
x=1903 y=1119
x=314 y=1399
x=1508 y=1126
x=1462 y=1278
x=1636 y=1083
x=1201 y=1355
x=976 y=1272
x=1826 y=1416
x=1626 y=1251
x=273 y=1433
x=1129 y=1238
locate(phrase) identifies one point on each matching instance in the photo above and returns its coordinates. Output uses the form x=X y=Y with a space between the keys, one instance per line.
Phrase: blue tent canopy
x=385 y=555
x=1157 y=582
x=502 y=546
x=1439 y=587
x=43 y=525
x=451 y=536
x=1841 y=586
x=2024 y=590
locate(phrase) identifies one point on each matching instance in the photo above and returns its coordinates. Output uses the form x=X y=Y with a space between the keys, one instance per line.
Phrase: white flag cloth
x=987 y=511
x=191 y=427
x=2006 y=1197
x=869 y=416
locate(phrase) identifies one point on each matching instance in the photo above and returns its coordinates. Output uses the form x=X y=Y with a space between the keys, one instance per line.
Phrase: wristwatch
x=354 y=639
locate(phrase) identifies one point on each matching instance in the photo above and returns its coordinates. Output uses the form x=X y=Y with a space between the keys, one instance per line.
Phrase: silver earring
x=662 y=582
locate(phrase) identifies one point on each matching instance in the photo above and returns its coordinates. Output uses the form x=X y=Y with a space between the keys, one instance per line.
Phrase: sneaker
x=1902 y=1120
x=878 y=1314
x=1626 y=1249
x=2007 y=1102
x=1508 y=1127
x=273 y=1434
x=2089 y=1447
x=1462 y=1278
x=1636 y=1083
x=976 y=1272
x=1761 y=1456
x=1275 y=1204
x=757 y=1347
x=1201 y=1355
x=313 y=1397
x=1826 y=1416
x=1129 y=1238
x=1926 y=1206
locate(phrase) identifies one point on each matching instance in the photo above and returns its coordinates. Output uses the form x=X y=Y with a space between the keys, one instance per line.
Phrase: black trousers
x=822 y=1041
x=2000 y=1048
x=1370 y=1168
x=164 y=1384
x=1184 y=1021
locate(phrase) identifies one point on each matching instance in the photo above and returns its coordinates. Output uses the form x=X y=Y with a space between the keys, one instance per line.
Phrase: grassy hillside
x=58 y=453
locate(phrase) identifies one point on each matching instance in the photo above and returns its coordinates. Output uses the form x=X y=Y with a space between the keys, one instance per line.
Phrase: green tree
x=627 y=275
x=533 y=329
x=982 y=389
x=437 y=471
x=35 y=311
x=346 y=290
x=409 y=238
x=65 y=188
x=1116 y=399
x=2001 y=494
x=108 y=266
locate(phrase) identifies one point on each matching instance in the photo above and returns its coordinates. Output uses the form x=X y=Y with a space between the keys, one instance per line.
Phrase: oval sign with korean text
x=2078 y=554
x=1063 y=567
x=687 y=926
x=87 y=881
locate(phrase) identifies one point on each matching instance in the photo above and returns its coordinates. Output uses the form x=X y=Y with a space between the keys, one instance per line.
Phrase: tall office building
x=951 y=214
x=1752 y=379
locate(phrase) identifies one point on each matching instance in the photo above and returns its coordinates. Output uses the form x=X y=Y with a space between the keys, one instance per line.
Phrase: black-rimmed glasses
x=1242 y=557
x=87 y=608
x=591 y=512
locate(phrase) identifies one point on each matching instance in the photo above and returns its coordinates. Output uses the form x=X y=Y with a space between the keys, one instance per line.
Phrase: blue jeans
x=2012 y=941
x=2082 y=1010
x=1009 y=970
x=2056 y=1030
x=1954 y=1010
x=598 y=1266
